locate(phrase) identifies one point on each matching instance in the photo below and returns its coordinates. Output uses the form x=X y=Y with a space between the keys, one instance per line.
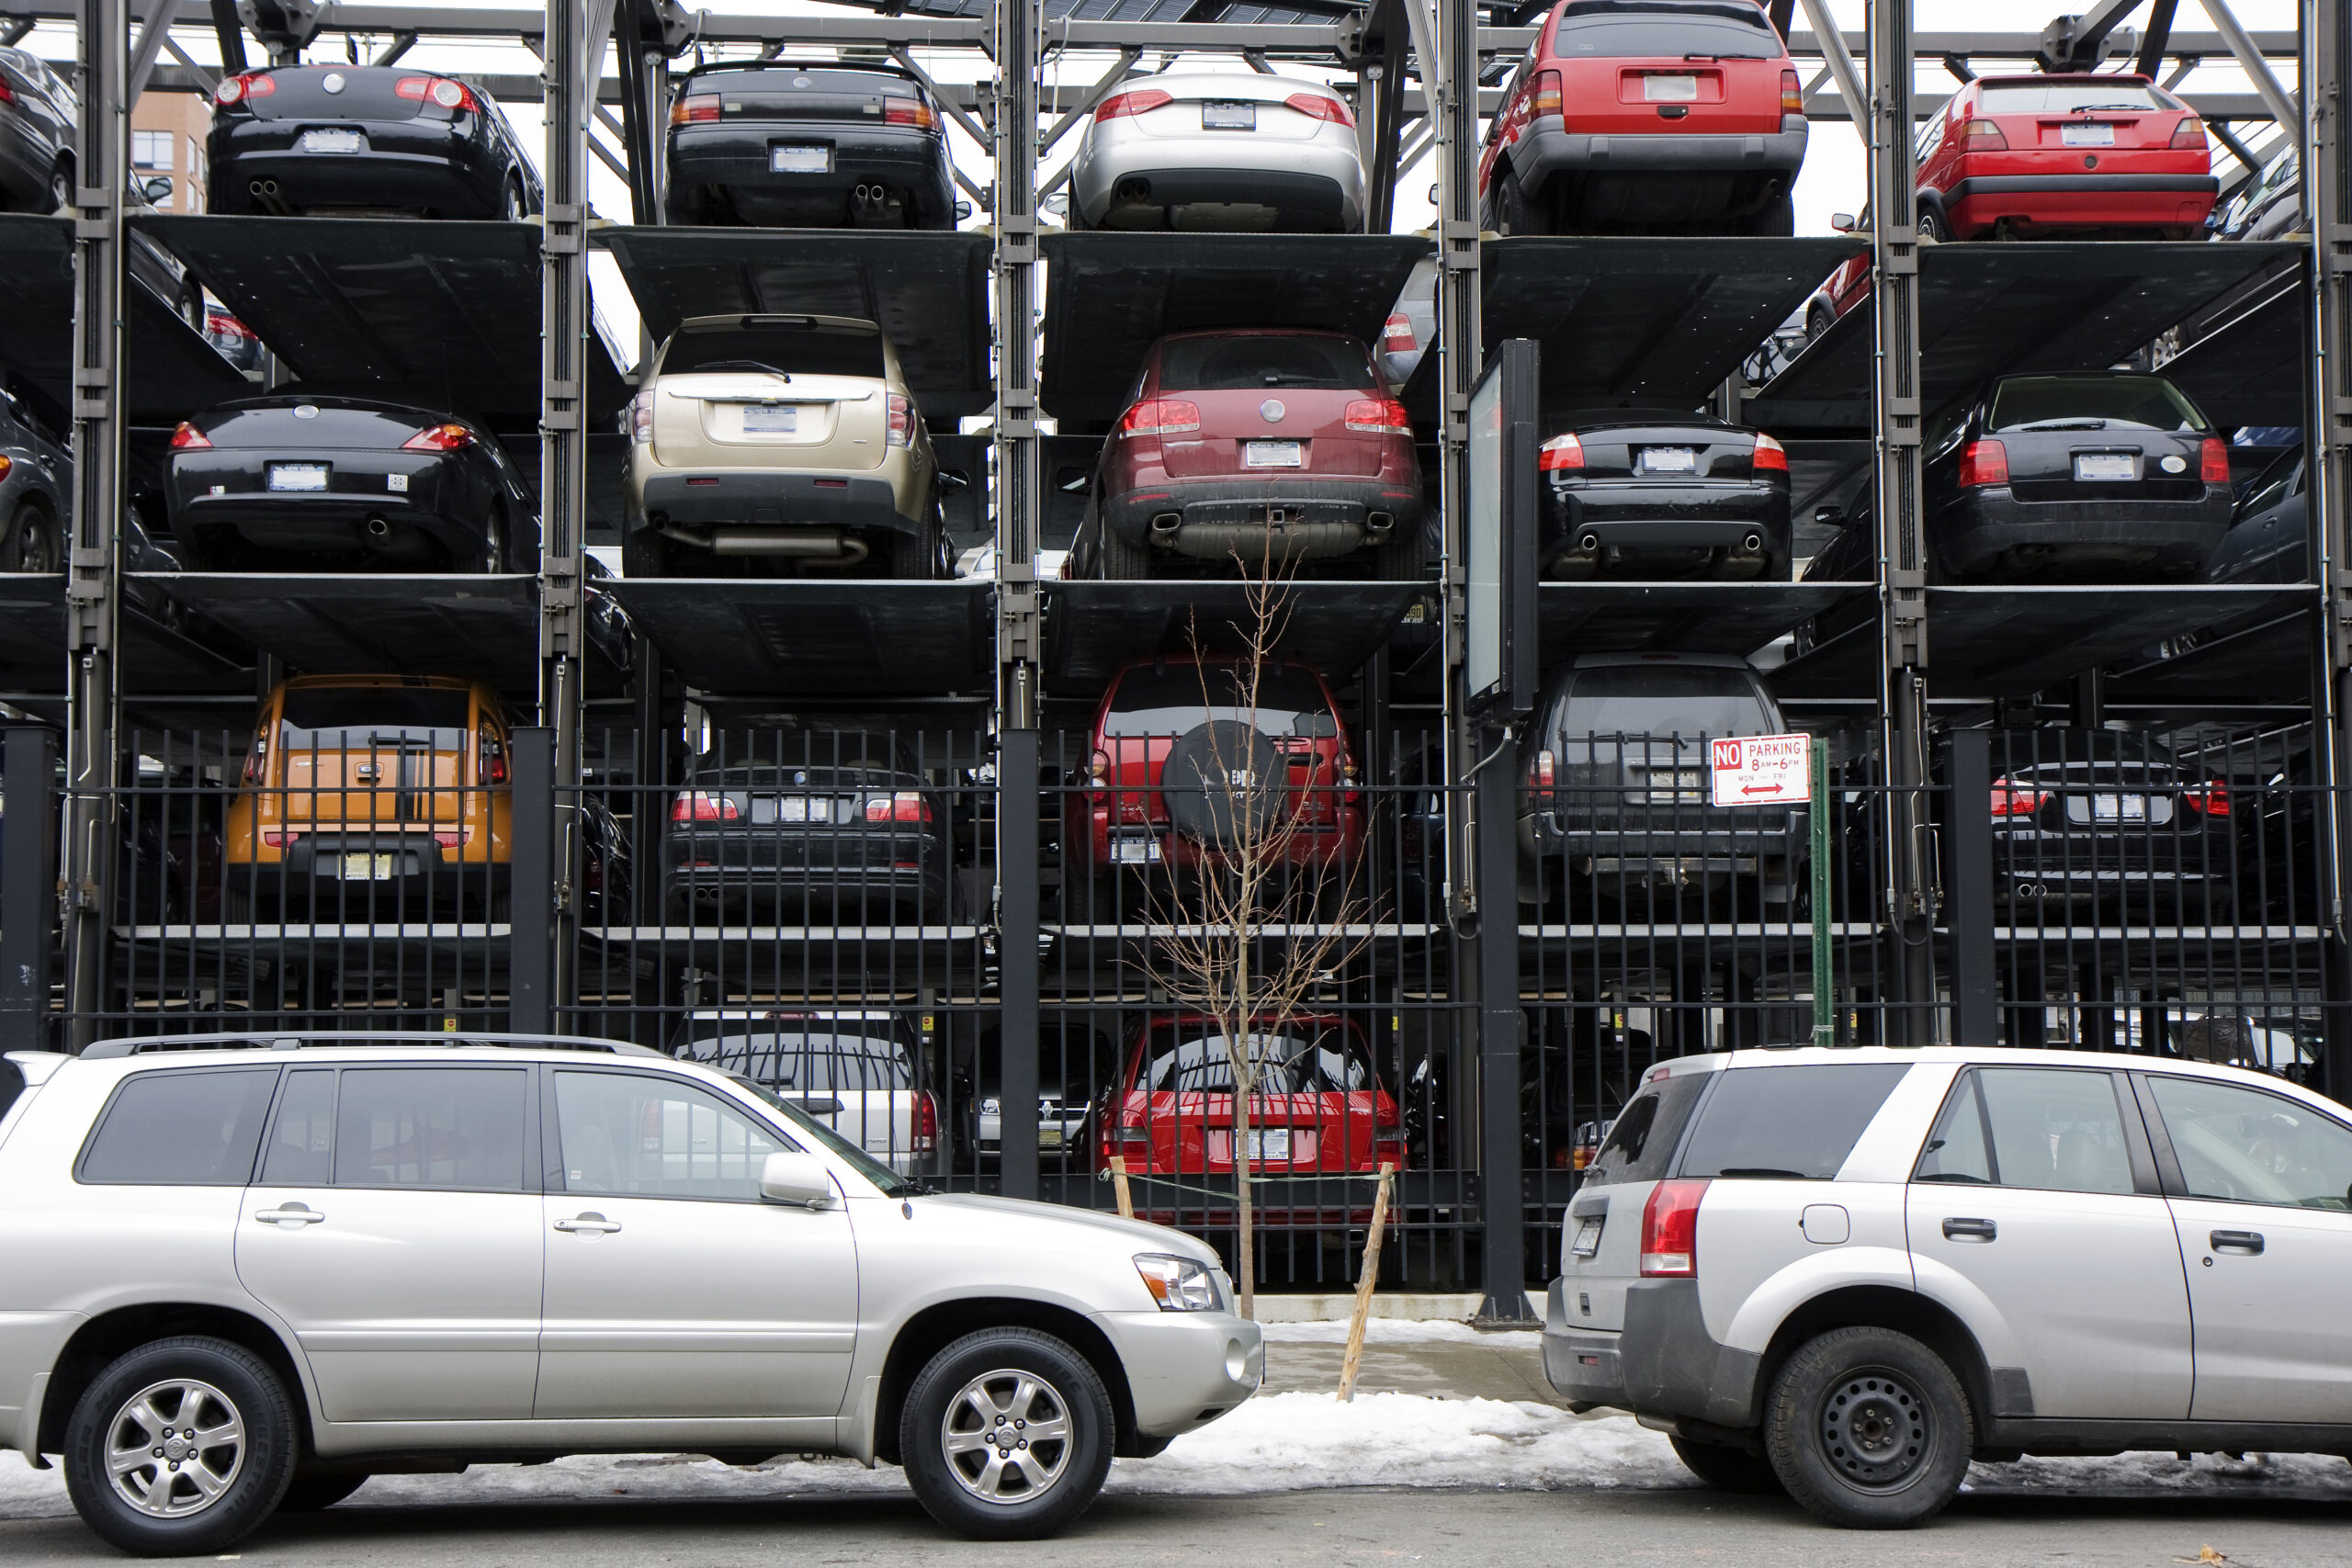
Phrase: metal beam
x=2248 y=55
x=142 y=55
x=1840 y=63
x=2157 y=39
x=2327 y=148
x=573 y=54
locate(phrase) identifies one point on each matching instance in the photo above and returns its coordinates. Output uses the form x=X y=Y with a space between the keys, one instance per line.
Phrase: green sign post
x=1825 y=1000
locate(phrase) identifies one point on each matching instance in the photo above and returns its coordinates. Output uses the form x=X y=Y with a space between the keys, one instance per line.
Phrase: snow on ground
x=1402 y=1331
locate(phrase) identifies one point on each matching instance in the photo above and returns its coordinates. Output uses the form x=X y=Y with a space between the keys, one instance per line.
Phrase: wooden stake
x=1119 y=1184
x=1362 y=1315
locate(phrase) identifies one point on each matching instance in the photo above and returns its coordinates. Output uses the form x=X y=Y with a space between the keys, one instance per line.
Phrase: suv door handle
x=591 y=1222
x=303 y=1215
x=2247 y=1242
x=1970 y=1230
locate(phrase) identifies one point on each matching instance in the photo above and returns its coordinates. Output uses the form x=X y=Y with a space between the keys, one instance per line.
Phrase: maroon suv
x=1276 y=448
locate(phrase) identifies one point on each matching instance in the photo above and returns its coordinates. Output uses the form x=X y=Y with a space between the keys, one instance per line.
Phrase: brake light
x=1142 y=100
x=1769 y=454
x=187 y=438
x=1398 y=332
x=2013 y=799
x=902 y=421
x=1544 y=770
x=1791 y=94
x=905 y=806
x=640 y=417
x=438 y=90
x=694 y=110
x=453 y=841
x=1671 y=1230
x=2213 y=461
x=1561 y=453
x=1317 y=107
x=2190 y=134
x=257 y=759
x=1982 y=136
x=908 y=111
x=1378 y=416
x=700 y=806
x=1985 y=463
x=244 y=87
x=925 y=1138
x=1545 y=98
x=1160 y=416
x=493 y=759
x=447 y=436
x=281 y=839
x=2212 y=798
x=7 y=93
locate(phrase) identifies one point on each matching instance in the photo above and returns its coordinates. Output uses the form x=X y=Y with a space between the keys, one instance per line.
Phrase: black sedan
x=342 y=482
x=813 y=146
x=1657 y=493
x=38 y=112
x=812 y=841
x=2093 y=476
x=365 y=141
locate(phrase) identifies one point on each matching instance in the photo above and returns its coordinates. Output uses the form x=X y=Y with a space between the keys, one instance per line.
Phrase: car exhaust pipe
x=801 y=543
x=378 y=530
x=1752 y=545
x=1166 y=524
x=1589 y=544
x=1377 y=525
x=269 y=198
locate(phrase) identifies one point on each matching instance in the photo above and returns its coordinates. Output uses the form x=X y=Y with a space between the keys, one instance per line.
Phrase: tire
x=1777 y=220
x=974 y=1387
x=645 y=553
x=494 y=558
x=510 y=202
x=311 y=1493
x=1121 y=561
x=1933 y=228
x=60 y=189
x=144 y=1393
x=190 y=309
x=1868 y=1430
x=1516 y=212
x=1734 y=1471
x=1817 y=323
x=911 y=558
x=33 y=543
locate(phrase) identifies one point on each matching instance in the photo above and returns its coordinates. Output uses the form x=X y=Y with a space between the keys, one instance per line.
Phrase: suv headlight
x=1177 y=1284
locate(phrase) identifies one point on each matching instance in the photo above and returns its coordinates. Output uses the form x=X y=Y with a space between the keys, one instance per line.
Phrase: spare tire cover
x=1223 y=784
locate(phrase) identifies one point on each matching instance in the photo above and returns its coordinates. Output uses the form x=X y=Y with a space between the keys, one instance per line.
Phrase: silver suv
x=1844 y=1274
x=240 y=1274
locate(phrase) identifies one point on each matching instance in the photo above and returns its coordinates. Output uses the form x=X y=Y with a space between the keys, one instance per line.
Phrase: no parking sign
x=1760 y=770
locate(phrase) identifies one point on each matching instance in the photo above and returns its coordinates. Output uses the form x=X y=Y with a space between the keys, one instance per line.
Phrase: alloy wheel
x=175 y=1447
x=1007 y=1437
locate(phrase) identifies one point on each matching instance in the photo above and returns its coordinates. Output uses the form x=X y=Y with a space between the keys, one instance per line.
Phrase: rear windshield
x=2072 y=402
x=778 y=348
x=801 y=1063
x=1664 y=700
x=1171 y=702
x=1797 y=1122
x=1641 y=1142
x=1245 y=363
x=2068 y=97
x=1621 y=29
x=1324 y=1062
x=392 y=716
x=806 y=81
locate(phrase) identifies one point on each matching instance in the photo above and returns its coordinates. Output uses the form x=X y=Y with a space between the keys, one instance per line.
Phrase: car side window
x=2054 y=1128
x=194 y=1128
x=1958 y=1149
x=301 y=1141
x=639 y=1135
x=2242 y=1145
x=431 y=1127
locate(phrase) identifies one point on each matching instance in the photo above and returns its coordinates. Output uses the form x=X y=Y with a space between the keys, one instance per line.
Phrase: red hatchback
x=1647 y=117
x=1318 y=1109
x=2046 y=157
x=1276 y=448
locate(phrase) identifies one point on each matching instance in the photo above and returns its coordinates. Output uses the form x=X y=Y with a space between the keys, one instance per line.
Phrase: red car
x=1146 y=804
x=1647 y=117
x=1257 y=444
x=2043 y=157
x=1319 y=1109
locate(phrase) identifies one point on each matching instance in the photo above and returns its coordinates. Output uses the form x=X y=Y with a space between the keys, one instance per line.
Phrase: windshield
x=792 y=348
x=808 y=1063
x=1172 y=701
x=1621 y=29
x=1248 y=364
x=2050 y=403
x=374 y=716
x=892 y=1184
x=2067 y=97
x=1329 y=1062
x=1664 y=700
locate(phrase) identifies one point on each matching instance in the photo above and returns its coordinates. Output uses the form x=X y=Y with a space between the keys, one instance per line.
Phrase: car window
x=2149 y=401
x=301 y=1141
x=1661 y=699
x=1618 y=29
x=1642 y=1141
x=1800 y=1121
x=331 y=718
x=1958 y=1149
x=794 y=348
x=1329 y=1062
x=196 y=1128
x=1183 y=698
x=2281 y=479
x=2240 y=1146
x=635 y=1134
x=2067 y=97
x=447 y=1127
x=2051 y=1128
x=795 y=1062
x=1265 y=361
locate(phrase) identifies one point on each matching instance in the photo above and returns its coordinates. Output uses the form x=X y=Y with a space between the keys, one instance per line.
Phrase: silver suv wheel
x=175 y=1447
x=1874 y=1429
x=1006 y=1435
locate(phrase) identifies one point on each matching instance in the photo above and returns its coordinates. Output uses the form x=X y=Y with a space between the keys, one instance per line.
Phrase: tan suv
x=781 y=446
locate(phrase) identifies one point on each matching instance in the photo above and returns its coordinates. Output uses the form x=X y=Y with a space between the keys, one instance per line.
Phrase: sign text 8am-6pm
x=1760 y=770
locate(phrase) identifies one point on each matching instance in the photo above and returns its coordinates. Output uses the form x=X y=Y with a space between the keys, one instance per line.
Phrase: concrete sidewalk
x=1449 y=1362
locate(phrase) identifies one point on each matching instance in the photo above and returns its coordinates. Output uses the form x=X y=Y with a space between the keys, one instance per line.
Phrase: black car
x=776 y=143
x=2269 y=536
x=346 y=482
x=815 y=840
x=38 y=112
x=1657 y=493
x=2098 y=476
x=365 y=139
x=36 y=479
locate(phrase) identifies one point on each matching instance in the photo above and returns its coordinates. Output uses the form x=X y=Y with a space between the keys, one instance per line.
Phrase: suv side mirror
x=1843 y=222
x=1057 y=204
x=792 y=1176
x=1315 y=727
x=157 y=190
x=1829 y=517
x=963 y=210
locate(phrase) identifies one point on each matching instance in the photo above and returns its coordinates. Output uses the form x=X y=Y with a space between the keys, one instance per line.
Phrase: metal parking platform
x=1092 y=628
x=1685 y=618
x=2267 y=662
x=815 y=641
x=156 y=655
x=928 y=291
x=1109 y=297
x=485 y=628
x=2251 y=369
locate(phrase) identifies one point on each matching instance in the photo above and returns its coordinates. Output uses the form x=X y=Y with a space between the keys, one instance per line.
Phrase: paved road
x=1314 y=1529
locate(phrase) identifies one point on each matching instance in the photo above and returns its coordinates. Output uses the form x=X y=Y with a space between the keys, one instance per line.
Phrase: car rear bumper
x=1582 y=1364
x=709 y=509
x=1986 y=527
x=1645 y=518
x=1308 y=517
x=2164 y=200
x=735 y=158
x=1316 y=188
x=356 y=872
x=404 y=168
x=1550 y=149
x=1670 y=1366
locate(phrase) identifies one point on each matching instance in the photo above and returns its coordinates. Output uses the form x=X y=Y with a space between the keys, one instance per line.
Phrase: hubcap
x=1007 y=1437
x=1874 y=1430
x=175 y=1447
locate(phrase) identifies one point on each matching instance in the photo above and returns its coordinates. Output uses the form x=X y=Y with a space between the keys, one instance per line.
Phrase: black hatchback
x=812 y=146
x=1656 y=494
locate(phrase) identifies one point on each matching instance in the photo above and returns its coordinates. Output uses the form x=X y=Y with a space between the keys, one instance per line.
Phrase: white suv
x=244 y=1273
x=1846 y=1273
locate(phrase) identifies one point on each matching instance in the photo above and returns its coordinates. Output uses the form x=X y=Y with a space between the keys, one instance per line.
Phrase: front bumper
x=1989 y=526
x=1185 y=1369
x=1311 y=517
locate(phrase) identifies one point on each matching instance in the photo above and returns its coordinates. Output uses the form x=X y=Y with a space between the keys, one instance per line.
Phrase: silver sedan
x=1220 y=151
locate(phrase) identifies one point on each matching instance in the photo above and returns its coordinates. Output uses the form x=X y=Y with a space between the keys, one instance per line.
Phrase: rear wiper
x=2103 y=108
x=760 y=365
x=1767 y=1172
x=1726 y=57
x=2063 y=424
x=1288 y=378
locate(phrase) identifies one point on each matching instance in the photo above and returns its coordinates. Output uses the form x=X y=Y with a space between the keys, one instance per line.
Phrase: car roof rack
x=293 y=1040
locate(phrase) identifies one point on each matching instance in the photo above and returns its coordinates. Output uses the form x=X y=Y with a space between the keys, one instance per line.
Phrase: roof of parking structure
x=1109 y=296
x=1658 y=322
x=1681 y=618
x=484 y=628
x=2251 y=369
x=442 y=315
x=928 y=291
x=1985 y=309
x=815 y=641
x=1092 y=628
x=151 y=655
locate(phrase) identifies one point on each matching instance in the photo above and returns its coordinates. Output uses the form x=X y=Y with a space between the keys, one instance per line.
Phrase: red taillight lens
x=905 y=806
x=2213 y=461
x=2189 y=134
x=447 y=437
x=1543 y=771
x=1769 y=454
x=1142 y=100
x=1985 y=463
x=2013 y=799
x=438 y=90
x=640 y=417
x=1671 y=1230
x=695 y=110
x=925 y=1138
x=244 y=87
x=493 y=759
x=1317 y=107
x=1160 y=416
x=256 y=760
x=1398 y=333
x=908 y=111
x=1791 y=94
x=187 y=438
x=2212 y=798
x=1546 y=93
x=1561 y=453
x=1378 y=416
x=700 y=806
x=902 y=421
x=1982 y=136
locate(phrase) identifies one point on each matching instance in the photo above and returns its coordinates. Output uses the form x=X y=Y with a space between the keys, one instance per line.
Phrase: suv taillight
x=1671 y=1230
x=439 y=91
x=1378 y=416
x=1544 y=770
x=187 y=438
x=493 y=759
x=1160 y=416
x=1544 y=97
x=244 y=87
x=640 y=417
x=1397 y=335
x=909 y=111
x=925 y=1138
x=1791 y=94
x=902 y=421
x=257 y=759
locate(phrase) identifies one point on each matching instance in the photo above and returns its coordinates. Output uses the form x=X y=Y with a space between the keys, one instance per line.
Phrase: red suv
x=2060 y=156
x=1647 y=117
x=1276 y=446
x=1166 y=726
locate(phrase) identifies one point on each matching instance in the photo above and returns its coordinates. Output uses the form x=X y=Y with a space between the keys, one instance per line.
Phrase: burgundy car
x=1274 y=447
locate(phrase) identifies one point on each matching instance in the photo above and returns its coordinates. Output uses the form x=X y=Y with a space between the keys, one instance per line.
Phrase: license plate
x=1587 y=1242
x=1049 y=1137
x=1228 y=116
x=2087 y=136
x=803 y=808
x=770 y=419
x=1270 y=1142
x=1684 y=785
x=1668 y=460
x=1670 y=89
x=297 y=476
x=2120 y=807
x=1135 y=851
x=1272 y=454
x=2090 y=467
x=801 y=159
x=367 y=868
x=333 y=142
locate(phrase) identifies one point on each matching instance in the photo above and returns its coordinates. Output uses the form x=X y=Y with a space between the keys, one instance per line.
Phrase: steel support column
x=2326 y=138
x=27 y=886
